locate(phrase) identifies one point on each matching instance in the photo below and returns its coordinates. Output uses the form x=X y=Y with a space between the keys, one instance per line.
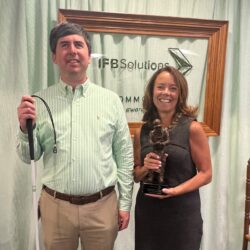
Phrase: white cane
x=33 y=175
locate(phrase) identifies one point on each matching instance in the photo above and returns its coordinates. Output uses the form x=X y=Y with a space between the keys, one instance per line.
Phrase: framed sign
x=207 y=36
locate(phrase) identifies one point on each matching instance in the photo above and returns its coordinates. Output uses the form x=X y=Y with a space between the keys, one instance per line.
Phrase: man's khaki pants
x=63 y=223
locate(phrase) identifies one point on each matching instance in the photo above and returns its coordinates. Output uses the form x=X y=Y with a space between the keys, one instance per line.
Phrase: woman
x=171 y=220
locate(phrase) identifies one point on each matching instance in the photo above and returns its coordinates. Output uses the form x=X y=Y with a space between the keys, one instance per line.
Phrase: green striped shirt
x=94 y=148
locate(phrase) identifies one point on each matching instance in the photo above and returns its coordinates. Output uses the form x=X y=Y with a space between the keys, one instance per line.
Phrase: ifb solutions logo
x=182 y=63
x=123 y=63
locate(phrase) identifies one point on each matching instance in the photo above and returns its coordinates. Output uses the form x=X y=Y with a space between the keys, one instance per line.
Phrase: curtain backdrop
x=26 y=67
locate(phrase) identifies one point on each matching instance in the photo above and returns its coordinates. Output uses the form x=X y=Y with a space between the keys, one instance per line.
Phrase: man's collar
x=81 y=87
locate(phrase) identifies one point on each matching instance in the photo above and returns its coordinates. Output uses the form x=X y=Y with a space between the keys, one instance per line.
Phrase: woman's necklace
x=175 y=121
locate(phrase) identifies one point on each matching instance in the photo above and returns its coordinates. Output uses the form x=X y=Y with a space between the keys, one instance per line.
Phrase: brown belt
x=79 y=199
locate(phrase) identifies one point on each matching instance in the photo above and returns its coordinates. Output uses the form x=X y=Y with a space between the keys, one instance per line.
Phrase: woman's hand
x=167 y=192
x=152 y=161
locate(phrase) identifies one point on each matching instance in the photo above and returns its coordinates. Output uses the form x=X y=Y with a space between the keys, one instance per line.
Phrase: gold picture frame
x=213 y=30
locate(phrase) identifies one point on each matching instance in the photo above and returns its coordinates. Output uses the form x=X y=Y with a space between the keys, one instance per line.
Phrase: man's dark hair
x=65 y=29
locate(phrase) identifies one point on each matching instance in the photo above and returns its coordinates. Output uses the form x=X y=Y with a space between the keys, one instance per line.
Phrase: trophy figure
x=158 y=138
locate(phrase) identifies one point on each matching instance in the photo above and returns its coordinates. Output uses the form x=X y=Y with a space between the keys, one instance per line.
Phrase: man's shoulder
x=104 y=91
x=48 y=90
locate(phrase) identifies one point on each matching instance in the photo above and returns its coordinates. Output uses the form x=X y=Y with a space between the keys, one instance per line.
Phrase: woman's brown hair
x=150 y=110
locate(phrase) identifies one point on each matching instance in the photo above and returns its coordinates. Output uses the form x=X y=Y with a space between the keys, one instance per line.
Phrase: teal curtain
x=26 y=67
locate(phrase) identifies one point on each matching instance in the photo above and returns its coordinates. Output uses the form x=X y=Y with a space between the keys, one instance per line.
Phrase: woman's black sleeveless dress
x=174 y=223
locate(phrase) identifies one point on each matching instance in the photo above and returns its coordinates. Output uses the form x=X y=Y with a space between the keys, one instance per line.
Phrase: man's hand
x=26 y=110
x=123 y=219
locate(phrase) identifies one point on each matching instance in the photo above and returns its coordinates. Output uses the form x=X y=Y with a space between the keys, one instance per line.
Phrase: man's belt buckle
x=77 y=200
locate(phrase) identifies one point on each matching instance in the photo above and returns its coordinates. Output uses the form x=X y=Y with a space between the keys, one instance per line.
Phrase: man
x=94 y=151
